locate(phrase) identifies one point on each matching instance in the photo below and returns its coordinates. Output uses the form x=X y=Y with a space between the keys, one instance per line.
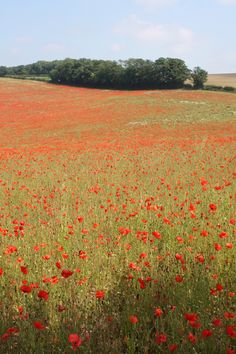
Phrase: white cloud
x=177 y=39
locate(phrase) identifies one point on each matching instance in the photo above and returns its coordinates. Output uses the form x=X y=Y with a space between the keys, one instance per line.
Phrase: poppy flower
x=161 y=338
x=230 y=351
x=43 y=295
x=75 y=340
x=158 y=312
x=192 y=338
x=58 y=265
x=206 y=333
x=230 y=331
x=173 y=347
x=100 y=294
x=24 y=270
x=39 y=325
x=229 y=245
x=13 y=330
x=25 y=289
x=217 y=246
x=66 y=273
x=212 y=207
x=179 y=279
x=191 y=316
x=217 y=322
x=133 y=319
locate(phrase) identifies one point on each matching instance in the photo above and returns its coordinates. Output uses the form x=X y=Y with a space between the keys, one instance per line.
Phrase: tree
x=138 y=73
x=199 y=77
x=170 y=73
x=3 y=71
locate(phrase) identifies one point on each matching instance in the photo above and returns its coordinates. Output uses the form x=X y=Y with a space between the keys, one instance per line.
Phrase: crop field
x=222 y=79
x=117 y=220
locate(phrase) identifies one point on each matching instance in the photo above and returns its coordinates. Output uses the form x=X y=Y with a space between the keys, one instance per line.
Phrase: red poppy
x=58 y=265
x=191 y=317
x=230 y=351
x=133 y=319
x=75 y=340
x=173 y=347
x=206 y=333
x=219 y=287
x=25 y=289
x=223 y=234
x=230 y=331
x=217 y=322
x=124 y=231
x=161 y=338
x=192 y=338
x=212 y=207
x=229 y=245
x=66 y=273
x=100 y=294
x=43 y=295
x=39 y=325
x=217 y=246
x=24 y=270
x=158 y=312
x=179 y=278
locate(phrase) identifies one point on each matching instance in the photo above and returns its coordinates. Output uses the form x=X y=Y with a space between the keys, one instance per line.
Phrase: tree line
x=163 y=73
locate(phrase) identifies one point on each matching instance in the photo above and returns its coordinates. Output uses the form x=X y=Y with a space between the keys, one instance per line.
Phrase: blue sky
x=201 y=32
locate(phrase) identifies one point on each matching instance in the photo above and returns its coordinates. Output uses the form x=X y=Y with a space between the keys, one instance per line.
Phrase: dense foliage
x=199 y=77
x=126 y=74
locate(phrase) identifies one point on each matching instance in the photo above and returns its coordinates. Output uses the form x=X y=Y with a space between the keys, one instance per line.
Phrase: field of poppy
x=117 y=220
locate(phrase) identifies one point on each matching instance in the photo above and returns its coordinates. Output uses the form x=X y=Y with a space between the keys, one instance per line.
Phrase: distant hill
x=222 y=79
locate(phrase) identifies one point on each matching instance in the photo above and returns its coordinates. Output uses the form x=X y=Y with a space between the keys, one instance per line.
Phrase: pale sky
x=201 y=32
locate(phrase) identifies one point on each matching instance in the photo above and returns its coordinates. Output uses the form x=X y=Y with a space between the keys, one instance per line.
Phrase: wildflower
x=217 y=246
x=179 y=278
x=75 y=340
x=39 y=325
x=230 y=331
x=24 y=270
x=191 y=317
x=158 y=312
x=161 y=338
x=173 y=347
x=133 y=319
x=206 y=333
x=43 y=295
x=192 y=338
x=25 y=289
x=157 y=235
x=217 y=322
x=66 y=273
x=100 y=294
x=212 y=207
